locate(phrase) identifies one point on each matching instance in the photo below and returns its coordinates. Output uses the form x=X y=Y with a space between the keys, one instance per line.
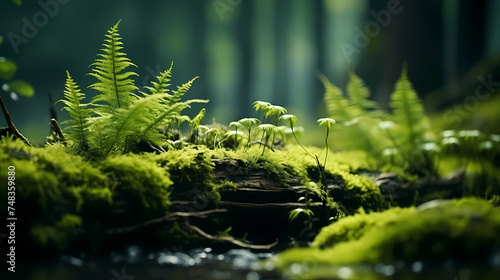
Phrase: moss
x=188 y=165
x=354 y=227
x=223 y=185
x=58 y=235
x=49 y=174
x=52 y=185
x=142 y=177
x=293 y=160
x=464 y=229
x=363 y=191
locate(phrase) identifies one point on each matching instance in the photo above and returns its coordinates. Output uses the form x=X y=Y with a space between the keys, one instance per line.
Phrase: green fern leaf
x=78 y=112
x=408 y=113
x=127 y=121
x=336 y=104
x=161 y=87
x=114 y=83
x=168 y=114
x=171 y=109
x=359 y=94
x=177 y=94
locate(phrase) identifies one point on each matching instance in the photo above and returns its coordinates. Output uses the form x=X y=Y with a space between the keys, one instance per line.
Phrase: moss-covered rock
x=58 y=235
x=465 y=229
x=52 y=187
x=141 y=177
x=190 y=165
x=56 y=182
x=48 y=174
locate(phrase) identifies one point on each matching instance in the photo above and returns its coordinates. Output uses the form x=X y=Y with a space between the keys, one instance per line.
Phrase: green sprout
x=291 y=121
x=248 y=123
x=270 y=110
x=178 y=121
x=195 y=123
x=275 y=111
x=268 y=130
x=261 y=105
x=327 y=123
x=234 y=134
x=297 y=211
x=235 y=125
x=215 y=133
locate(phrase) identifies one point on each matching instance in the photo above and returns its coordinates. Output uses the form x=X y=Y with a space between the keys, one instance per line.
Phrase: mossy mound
x=140 y=177
x=343 y=168
x=52 y=188
x=67 y=193
x=465 y=229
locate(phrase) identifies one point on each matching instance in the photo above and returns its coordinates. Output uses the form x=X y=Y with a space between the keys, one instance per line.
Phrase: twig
x=57 y=129
x=11 y=125
x=231 y=240
x=168 y=218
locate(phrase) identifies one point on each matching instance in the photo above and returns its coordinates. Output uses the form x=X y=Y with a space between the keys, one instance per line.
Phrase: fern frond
x=127 y=121
x=171 y=113
x=172 y=106
x=114 y=82
x=408 y=112
x=336 y=104
x=177 y=94
x=79 y=114
x=358 y=93
x=161 y=87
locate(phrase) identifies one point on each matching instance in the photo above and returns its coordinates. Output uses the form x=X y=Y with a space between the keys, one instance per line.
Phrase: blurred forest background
x=269 y=50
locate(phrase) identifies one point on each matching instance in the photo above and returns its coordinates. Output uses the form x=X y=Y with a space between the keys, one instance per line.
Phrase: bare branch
x=11 y=125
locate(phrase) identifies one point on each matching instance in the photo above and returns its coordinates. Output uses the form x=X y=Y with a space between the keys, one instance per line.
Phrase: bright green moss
x=354 y=227
x=187 y=165
x=363 y=191
x=465 y=229
x=293 y=160
x=46 y=175
x=142 y=177
x=52 y=186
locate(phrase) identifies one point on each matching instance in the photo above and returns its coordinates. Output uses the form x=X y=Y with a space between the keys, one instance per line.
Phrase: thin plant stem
x=297 y=140
x=236 y=139
x=326 y=145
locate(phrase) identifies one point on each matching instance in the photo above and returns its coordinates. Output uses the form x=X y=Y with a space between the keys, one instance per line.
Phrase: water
x=236 y=264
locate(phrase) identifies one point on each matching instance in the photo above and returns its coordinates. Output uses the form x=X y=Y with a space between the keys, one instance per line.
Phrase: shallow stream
x=237 y=264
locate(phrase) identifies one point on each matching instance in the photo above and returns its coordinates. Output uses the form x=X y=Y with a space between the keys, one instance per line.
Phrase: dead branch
x=57 y=129
x=11 y=125
x=231 y=240
x=168 y=218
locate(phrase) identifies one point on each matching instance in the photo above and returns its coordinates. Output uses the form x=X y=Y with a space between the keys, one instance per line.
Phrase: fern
x=172 y=107
x=161 y=87
x=336 y=104
x=179 y=93
x=408 y=113
x=359 y=94
x=357 y=116
x=118 y=118
x=129 y=121
x=78 y=112
x=114 y=83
